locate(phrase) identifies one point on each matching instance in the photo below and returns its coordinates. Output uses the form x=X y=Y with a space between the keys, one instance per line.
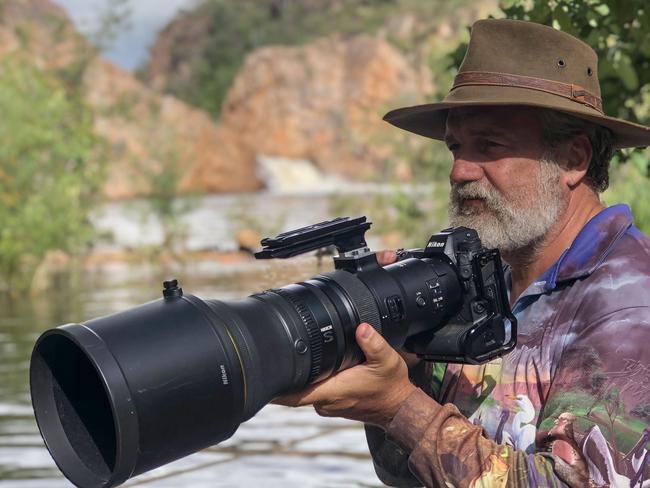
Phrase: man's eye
x=494 y=143
x=489 y=144
x=453 y=147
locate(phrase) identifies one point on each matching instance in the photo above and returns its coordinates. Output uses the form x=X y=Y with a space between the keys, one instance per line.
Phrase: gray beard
x=510 y=225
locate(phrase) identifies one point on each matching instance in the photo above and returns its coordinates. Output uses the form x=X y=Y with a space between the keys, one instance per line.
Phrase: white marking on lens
x=224 y=375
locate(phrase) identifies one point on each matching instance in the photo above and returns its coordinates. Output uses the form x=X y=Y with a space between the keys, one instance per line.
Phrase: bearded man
x=531 y=148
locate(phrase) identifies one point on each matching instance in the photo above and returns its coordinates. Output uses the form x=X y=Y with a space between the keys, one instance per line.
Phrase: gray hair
x=558 y=127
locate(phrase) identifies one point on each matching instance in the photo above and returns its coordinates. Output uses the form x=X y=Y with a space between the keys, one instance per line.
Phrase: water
x=212 y=221
x=280 y=447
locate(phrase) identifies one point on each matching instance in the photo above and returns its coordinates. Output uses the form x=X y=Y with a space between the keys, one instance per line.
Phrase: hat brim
x=429 y=120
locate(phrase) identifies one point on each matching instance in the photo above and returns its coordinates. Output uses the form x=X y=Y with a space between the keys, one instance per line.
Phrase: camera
x=120 y=395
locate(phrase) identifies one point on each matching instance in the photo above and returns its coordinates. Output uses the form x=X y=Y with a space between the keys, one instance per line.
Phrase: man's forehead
x=492 y=119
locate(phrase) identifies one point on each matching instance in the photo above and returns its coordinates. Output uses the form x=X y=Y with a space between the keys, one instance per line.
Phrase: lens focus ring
x=363 y=301
x=314 y=335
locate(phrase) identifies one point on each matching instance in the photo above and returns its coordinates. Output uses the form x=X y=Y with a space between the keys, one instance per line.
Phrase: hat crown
x=516 y=63
x=534 y=50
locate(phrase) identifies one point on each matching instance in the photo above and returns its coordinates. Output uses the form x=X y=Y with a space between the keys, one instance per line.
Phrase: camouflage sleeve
x=447 y=450
x=593 y=430
x=389 y=459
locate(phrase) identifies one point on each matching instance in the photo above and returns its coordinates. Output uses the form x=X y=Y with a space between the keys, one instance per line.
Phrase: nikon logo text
x=436 y=244
x=224 y=375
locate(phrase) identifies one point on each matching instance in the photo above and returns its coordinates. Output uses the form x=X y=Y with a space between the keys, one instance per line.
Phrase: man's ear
x=577 y=157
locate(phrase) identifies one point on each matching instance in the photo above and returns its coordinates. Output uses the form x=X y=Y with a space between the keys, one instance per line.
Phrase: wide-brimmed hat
x=511 y=62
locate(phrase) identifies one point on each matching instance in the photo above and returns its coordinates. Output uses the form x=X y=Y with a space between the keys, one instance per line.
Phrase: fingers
x=373 y=345
x=291 y=400
x=298 y=399
x=411 y=359
x=386 y=257
x=369 y=392
x=381 y=362
x=311 y=394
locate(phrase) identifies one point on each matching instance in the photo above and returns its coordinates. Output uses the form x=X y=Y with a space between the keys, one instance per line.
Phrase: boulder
x=154 y=136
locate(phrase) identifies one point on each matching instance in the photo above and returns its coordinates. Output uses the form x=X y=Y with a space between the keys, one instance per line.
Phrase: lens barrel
x=120 y=395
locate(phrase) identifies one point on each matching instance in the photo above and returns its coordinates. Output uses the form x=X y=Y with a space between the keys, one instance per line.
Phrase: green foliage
x=577 y=402
x=408 y=213
x=164 y=198
x=629 y=184
x=427 y=160
x=642 y=411
x=115 y=18
x=49 y=170
x=122 y=107
x=243 y=215
x=607 y=414
x=619 y=32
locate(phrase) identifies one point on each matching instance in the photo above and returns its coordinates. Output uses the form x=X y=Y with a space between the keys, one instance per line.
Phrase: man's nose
x=463 y=171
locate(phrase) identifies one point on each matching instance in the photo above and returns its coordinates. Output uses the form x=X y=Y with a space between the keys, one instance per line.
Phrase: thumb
x=373 y=345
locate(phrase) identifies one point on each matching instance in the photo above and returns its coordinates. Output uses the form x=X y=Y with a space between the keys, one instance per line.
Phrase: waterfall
x=295 y=176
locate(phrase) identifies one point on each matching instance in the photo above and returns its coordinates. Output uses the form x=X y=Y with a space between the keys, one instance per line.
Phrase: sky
x=148 y=17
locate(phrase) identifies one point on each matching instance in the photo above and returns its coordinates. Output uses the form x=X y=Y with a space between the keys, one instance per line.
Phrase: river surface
x=280 y=447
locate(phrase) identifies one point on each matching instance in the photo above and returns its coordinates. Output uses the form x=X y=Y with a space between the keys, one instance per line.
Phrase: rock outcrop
x=321 y=102
x=40 y=32
x=154 y=136
x=150 y=136
x=177 y=50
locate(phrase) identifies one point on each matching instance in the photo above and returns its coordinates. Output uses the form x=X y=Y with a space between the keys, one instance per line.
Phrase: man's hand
x=385 y=258
x=371 y=392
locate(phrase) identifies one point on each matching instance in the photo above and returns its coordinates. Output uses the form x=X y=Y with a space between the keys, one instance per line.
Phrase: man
x=570 y=405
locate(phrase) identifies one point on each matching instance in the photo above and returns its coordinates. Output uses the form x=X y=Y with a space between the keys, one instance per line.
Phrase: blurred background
x=142 y=139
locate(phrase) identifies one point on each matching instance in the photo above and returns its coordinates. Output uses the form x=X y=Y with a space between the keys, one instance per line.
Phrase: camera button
x=395 y=308
x=300 y=346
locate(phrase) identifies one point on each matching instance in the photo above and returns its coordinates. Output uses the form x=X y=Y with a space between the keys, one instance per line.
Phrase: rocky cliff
x=39 y=32
x=320 y=102
x=153 y=136
x=177 y=50
x=148 y=134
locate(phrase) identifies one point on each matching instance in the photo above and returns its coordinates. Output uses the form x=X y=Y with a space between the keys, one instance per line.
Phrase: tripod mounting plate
x=346 y=233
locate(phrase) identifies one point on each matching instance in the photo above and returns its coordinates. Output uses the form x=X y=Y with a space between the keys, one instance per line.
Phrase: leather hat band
x=571 y=91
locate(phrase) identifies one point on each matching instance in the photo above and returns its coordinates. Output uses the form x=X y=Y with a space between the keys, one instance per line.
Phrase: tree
x=49 y=169
x=619 y=32
x=642 y=411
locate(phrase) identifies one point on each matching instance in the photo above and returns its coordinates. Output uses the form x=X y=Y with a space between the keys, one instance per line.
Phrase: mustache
x=475 y=189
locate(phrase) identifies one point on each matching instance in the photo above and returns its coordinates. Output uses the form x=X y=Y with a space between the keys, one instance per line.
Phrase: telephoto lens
x=120 y=395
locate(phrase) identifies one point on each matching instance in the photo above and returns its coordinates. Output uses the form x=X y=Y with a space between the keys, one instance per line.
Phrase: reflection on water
x=279 y=447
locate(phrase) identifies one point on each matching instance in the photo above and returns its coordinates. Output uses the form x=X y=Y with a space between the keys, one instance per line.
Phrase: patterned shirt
x=570 y=406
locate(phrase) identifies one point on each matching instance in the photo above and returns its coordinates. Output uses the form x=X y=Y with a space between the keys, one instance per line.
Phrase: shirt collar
x=590 y=246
